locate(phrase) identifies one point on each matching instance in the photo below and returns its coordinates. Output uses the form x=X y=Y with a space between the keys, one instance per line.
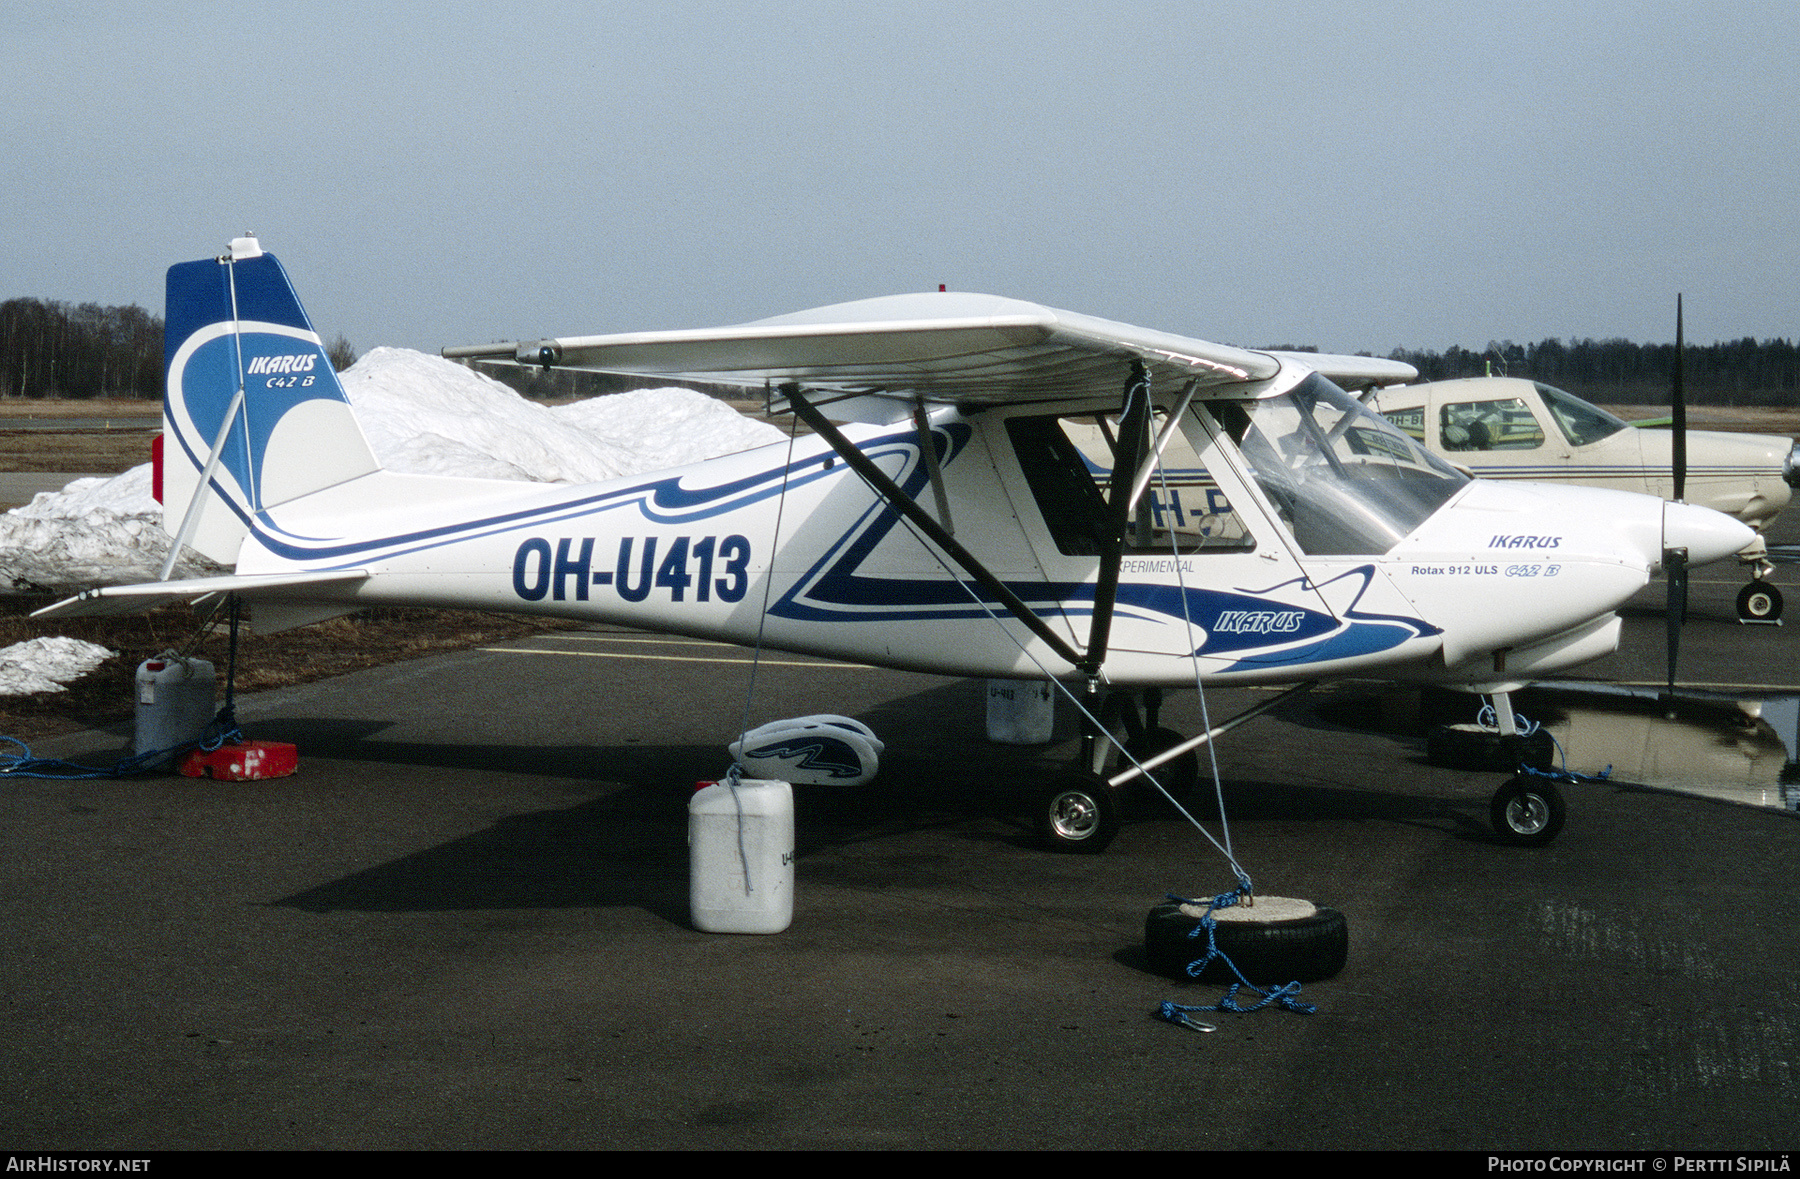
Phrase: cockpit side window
x=1068 y=461
x=1343 y=480
x=1059 y=480
x=1504 y=424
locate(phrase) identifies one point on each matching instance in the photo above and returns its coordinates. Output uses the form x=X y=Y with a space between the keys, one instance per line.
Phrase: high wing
x=970 y=349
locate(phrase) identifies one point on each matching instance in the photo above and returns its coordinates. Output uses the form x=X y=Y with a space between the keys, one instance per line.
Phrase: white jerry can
x=1021 y=712
x=174 y=703
x=741 y=885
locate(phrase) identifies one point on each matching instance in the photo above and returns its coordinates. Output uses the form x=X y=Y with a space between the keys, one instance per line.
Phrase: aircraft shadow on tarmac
x=940 y=780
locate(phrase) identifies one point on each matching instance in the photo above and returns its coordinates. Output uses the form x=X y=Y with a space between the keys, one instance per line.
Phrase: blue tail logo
x=234 y=324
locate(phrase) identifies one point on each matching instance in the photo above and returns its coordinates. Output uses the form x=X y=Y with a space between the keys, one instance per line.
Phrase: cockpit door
x=1205 y=567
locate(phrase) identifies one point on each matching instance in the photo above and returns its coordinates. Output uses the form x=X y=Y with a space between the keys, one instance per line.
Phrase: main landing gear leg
x=1082 y=810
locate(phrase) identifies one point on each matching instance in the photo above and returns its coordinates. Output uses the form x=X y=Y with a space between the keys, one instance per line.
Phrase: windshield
x=1583 y=423
x=1345 y=481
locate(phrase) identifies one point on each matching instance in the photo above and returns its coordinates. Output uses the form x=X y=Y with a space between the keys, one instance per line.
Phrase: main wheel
x=1180 y=776
x=1759 y=602
x=1528 y=811
x=1079 y=813
x=1295 y=942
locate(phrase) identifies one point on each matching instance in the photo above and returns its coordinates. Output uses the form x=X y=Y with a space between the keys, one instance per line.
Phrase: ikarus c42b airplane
x=1019 y=492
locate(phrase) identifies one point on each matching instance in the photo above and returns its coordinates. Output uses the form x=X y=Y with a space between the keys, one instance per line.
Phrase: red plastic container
x=243 y=761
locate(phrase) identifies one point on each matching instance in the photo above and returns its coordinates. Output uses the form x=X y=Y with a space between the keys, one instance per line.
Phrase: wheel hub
x=1074 y=815
x=1527 y=814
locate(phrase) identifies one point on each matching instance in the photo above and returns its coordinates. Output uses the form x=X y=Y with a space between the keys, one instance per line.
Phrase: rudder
x=234 y=323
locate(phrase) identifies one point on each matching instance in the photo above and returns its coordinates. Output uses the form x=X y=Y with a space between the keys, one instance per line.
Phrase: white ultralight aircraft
x=1249 y=523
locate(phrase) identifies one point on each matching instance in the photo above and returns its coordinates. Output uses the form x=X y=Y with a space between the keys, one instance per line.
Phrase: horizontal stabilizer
x=133 y=599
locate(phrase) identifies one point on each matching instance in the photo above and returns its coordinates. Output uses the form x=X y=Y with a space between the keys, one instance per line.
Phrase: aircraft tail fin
x=253 y=414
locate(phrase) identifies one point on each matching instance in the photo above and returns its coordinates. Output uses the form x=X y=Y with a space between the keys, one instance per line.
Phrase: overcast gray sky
x=1363 y=175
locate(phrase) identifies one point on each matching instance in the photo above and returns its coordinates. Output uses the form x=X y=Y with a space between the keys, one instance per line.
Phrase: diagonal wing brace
x=1134 y=432
x=897 y=499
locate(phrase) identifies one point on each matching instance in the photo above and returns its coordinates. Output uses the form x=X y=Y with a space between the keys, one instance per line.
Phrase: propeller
x=1678 y=412
x=1675 y=559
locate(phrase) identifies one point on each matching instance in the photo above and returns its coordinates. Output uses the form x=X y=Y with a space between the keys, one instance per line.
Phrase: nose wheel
x=1759 y=602
x=1528 y=811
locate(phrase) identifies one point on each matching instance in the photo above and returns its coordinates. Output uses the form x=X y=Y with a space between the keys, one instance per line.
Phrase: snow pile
x=46 y=664
x=432 y=416
x=423 y=415
x=92 y=532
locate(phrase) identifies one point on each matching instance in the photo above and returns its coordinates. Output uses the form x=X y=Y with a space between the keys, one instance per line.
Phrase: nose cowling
x=1545 y=561
x=1705 y=534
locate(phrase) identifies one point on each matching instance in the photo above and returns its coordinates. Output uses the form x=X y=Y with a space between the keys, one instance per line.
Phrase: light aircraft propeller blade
x=1678 y=411
x=1675 y=558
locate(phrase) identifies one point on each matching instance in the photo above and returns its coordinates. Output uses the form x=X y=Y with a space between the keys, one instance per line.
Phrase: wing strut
x=904 y=504
x=1134 y=441
x=1128 y=453
x=1134 y=431
x=922 y=427
x=191 y=517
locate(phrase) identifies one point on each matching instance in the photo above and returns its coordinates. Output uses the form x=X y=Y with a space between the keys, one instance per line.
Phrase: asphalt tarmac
x=463 y=924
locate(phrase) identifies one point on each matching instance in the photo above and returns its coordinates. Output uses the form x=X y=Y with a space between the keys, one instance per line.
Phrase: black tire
x=1179 y=777
x=1759 y=602
x=1472 y=747
x=1528 y=811
x=1080 y=813
x=1268 y=953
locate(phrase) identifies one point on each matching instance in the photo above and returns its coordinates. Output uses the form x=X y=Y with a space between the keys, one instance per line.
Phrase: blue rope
x=1565 y=775
x=1283 y=996
x=223 y=730
x=1488 y=718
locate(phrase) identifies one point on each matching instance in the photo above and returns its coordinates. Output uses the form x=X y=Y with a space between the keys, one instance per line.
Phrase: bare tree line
x=1619 y=372
x=51 y=349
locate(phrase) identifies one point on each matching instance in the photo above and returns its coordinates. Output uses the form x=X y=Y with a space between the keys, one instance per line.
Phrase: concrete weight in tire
x=1297 y=942
x=1472 y=747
